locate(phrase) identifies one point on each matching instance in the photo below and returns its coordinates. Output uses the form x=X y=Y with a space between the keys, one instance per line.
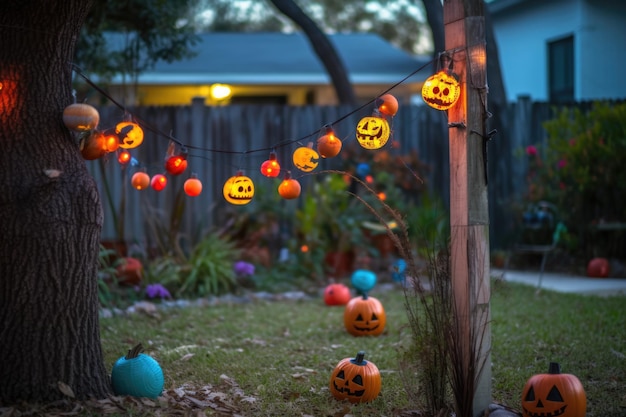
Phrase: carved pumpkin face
x=364 y=316
x=554 y=394
x=441 y=90
x=130 y=134
x=238 y=190
x=372 y=132
x=356 y=380
x=305 y=159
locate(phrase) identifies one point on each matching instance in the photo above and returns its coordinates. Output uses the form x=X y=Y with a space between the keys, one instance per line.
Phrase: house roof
x=279 y=58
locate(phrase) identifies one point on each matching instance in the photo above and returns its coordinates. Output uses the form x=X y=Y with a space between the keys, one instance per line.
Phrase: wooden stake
x=464 y=26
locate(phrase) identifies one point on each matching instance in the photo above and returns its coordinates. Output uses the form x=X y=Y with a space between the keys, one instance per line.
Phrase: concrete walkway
x=567 y=283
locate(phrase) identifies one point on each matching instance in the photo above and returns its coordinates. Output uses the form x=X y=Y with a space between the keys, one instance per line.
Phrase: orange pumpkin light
x=124 y=157
x=329 y=145
x=92 y=146
x=176 y=164
x=158 y=182
x=305 y=158
x=441 y=90
x=289 y=188
x=140 y=180
x=81 y=117
x=373 y=132
x=193 y=186
x=271 y=167
x=111 y=141
x=554 y=394
x=130 y=134
x=238 y=189
x=387 y=105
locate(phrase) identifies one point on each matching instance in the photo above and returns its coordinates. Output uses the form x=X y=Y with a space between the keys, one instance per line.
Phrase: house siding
x=524 y=30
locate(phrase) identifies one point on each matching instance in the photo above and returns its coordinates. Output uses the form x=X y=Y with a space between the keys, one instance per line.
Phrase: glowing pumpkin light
x=80 y=117
x=329 y=145
x=355 y=380
x=289 y=188
x=554 y=394
x=238 y=189
x=387 y=105
x=305 y=158
x=193 y=186
x=124 y=157
x=92 y=146
x=364 y=316
x=441 y=90
x=130 y=134
x=373 y=132
x=176 y=164
x=158 y=182
x=140 y=180
x=271 y=167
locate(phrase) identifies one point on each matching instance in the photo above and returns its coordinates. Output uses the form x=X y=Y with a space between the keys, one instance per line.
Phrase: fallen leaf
x=66 y=389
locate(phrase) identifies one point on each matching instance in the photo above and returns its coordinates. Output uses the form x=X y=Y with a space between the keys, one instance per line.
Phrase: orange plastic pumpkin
x=388 y=105
x=598 y=268
x=337 y=295
x=554 y=394
x=130 y=134
x=289 y=188
x=305 y=158
x=81 y=117
x=130 y=271
x=355 y=380
x=329 y=145
x=93 y=146
x=193 y=186
x=238 y=189
x=140 y=180
x=372 y=132
x=364 y=316
x=441 y=90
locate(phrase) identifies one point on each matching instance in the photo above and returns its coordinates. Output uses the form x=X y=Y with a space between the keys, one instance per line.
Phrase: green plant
x=209 y=267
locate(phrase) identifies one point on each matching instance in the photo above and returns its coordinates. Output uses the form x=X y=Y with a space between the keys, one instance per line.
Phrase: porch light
x=220 y=91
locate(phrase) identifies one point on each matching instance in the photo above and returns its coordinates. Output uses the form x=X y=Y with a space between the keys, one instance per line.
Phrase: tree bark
x=51 y=214
x=323 y=48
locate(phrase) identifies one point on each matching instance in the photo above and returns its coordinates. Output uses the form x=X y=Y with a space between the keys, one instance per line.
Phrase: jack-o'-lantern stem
x=554 y=368
x=359 y=359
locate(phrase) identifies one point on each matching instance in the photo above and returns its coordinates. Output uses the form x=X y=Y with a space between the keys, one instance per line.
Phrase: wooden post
x=464 y=26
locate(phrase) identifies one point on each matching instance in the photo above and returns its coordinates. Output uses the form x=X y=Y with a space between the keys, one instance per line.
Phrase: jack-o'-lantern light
x=124 y=157
x=140 y=180
x=176 y=164
x=193 y=186
x=238 y=189
x=92 y=145
x=158 y=182
x=271 y=167
x=305 y=158
x=373 y=131
x=130 y=134
x=329 y=145
x=441 y=90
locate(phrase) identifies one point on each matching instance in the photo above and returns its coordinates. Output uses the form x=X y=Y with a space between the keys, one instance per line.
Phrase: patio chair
x=541 y=233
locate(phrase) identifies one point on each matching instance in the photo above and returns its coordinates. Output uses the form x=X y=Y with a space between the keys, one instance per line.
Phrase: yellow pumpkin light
x=305 y=158
x=373 y=132
x=238 y=189
x=130 y=134
x=441 y=90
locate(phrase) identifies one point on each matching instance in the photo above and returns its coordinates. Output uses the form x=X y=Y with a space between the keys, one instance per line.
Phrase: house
x=275 y=68
x=561 y=50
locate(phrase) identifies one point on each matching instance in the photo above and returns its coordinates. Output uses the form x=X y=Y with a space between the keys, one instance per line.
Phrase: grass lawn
x=275 y=358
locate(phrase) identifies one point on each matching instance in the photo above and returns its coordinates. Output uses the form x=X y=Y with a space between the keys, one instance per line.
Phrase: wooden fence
x=244 y=136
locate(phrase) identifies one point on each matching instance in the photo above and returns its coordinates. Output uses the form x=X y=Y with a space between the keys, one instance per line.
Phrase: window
x=561 y=70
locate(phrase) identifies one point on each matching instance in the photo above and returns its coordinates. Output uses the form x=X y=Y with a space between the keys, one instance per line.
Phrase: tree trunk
x=323 y=48
x=51 y=214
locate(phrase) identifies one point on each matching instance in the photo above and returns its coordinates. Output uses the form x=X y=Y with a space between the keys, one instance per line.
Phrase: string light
x=271 y=167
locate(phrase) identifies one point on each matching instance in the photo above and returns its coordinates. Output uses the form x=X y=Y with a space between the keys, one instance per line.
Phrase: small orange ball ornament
x=329 y=145
x=388 y=105
x=140 y=180
x=124 y=157
x=271 y=167
x=176 y=164
x=193 y=186
x=289 y=188
x=158 y=182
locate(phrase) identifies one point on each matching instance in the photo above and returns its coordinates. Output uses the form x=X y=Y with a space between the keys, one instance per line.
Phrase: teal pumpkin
x=139 y=376
x=363 y=280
